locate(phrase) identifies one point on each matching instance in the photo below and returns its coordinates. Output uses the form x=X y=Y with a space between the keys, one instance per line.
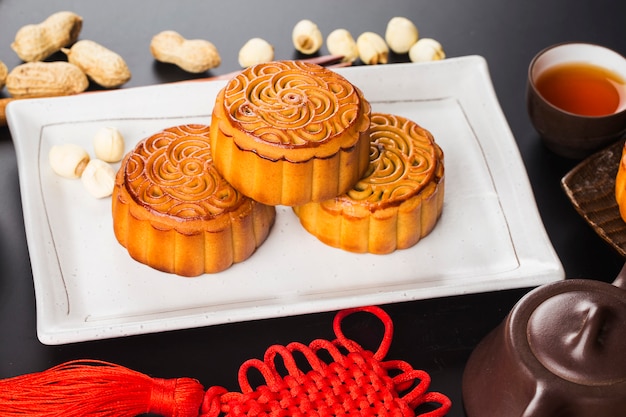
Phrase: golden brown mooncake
x=290 y=132
x=620 y=185
x=173 y=211
x=396 y=203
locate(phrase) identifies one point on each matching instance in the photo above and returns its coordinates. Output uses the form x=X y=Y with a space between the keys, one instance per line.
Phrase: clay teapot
x=560 y=352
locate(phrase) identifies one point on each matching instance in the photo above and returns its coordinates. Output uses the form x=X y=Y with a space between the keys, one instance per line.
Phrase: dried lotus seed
x=255 y=51
x=307 y=37
x=98 y=178
x=108 y=144
x=426 y=49
x=372 y=48
x=401 y=34
x=341 y=42
x=68 y=160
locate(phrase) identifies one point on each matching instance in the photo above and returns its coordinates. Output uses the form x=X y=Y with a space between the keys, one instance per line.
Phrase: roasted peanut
x=3 y=74
x=372 y=48
x=341 y=42
x=103 y=66
x=255 y=51
x=401 y=34
x=36 y=42
x=191 y=55
x=46 y=79
x=306 y=37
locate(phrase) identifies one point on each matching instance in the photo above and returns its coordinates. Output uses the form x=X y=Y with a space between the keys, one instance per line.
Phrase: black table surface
x=436 y=335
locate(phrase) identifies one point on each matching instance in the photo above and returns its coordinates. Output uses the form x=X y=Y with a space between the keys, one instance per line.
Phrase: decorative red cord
x=356 y=382
x=353 y=381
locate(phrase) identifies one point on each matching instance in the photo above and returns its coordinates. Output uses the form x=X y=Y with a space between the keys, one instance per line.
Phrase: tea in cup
x=576 y=97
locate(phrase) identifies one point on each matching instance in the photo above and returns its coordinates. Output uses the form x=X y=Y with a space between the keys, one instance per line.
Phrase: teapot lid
x=578 y=332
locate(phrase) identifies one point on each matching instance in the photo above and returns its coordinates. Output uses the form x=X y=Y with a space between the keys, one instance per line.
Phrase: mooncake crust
x=173 y=211
x=397 y=202
x=289 y=132
x=620 y=185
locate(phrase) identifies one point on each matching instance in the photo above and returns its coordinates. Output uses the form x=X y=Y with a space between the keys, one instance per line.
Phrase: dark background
x=434 y=335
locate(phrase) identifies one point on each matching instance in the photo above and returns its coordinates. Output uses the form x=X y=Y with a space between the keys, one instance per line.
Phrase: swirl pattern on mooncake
x=291 y=103
x=403 y=158
x=288 y=132
x=174 y=212
x=396 y=203
x=172 y=173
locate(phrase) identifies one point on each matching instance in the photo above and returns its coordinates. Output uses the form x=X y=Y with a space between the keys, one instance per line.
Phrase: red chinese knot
x=356 y=382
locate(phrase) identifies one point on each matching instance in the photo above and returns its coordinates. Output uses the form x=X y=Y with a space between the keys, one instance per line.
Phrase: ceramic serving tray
x=489 y=237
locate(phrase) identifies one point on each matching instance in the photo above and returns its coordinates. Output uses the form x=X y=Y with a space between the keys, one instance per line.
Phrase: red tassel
x=96 y=388
x=354 y=381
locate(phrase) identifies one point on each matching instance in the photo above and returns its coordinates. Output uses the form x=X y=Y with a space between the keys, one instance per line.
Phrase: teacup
x=576 y=97
x=559 y=352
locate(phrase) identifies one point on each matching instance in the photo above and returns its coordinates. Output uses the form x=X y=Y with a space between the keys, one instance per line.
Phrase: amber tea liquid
x=582 y=89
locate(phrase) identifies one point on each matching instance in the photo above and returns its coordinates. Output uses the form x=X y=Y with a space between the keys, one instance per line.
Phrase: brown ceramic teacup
x=576 y=97
x=561 y=351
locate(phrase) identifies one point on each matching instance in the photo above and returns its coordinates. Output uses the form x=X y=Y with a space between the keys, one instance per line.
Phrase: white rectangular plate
x=489 y=237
